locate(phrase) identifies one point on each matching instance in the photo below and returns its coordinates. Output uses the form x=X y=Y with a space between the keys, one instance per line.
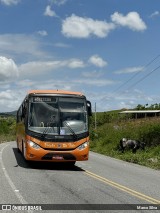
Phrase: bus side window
x=19 y=114
x=23 y=112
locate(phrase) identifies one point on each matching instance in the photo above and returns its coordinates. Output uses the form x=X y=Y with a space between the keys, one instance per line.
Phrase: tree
x=140 y=107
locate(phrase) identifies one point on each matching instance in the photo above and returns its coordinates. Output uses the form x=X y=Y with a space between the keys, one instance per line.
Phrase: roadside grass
x=105 y=140
x=7 y=129
x=7 y=138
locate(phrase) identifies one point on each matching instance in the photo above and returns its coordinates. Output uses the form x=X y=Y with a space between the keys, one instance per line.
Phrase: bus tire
x=18 y=150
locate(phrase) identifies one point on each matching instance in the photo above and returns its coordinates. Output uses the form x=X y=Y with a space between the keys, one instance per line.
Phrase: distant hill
x=6 y=114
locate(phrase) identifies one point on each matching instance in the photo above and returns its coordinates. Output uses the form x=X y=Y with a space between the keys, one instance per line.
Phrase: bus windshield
x=57 y=115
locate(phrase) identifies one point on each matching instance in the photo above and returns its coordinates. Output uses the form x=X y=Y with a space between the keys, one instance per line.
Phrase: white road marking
x=15 y=190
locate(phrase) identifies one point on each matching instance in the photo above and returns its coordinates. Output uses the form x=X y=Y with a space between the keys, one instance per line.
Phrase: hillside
x=111 y=127
x=7 y=114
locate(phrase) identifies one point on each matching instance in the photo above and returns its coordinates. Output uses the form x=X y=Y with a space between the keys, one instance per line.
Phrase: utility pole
x=95 y=122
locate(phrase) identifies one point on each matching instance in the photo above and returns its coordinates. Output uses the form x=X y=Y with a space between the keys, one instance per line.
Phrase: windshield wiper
x=50 y=126
x=71 y=130
x=45 y=132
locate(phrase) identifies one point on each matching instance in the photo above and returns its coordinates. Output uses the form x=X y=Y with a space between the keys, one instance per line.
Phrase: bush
x=7 y=129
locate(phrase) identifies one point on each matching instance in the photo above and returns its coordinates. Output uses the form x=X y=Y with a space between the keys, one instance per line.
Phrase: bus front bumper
x=36 y=153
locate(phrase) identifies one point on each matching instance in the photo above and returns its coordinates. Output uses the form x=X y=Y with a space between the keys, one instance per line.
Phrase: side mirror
x=89 y=108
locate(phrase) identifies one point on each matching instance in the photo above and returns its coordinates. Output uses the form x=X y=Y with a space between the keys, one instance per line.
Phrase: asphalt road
x=102 y=184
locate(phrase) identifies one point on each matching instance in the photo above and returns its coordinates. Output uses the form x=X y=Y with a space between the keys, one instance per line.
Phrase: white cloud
x=93 y=82
x=132 y=20
x=26 y=45
x=156 y=13
x=58 y=2
x=83 y=27
x=92 y=74
x=73 y=84
x=75 y=63
x=10 y=2
x=8 y=69
x=41 y=67
x=25 y=83
x=130 y=70
x=6 y=95
x=38 y=67
x=79 y=27
x=132 y=98
x=127 y=99
x=97 y=61
x=42 y=33
x=49 y=12
x=11 y=99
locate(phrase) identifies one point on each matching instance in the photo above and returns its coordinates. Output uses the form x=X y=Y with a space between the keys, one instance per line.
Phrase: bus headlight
x=83 y=146
x=33 y=145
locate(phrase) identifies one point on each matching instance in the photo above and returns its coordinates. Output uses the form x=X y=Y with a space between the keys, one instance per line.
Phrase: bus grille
x=66 y=156
x=52 y=149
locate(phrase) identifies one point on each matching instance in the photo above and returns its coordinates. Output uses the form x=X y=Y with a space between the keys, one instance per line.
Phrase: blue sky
x=102 y=48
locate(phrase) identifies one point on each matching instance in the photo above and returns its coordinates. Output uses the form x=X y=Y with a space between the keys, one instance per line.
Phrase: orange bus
x=52 y=125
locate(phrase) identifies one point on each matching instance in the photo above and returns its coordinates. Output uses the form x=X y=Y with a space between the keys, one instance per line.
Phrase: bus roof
x=54 y=92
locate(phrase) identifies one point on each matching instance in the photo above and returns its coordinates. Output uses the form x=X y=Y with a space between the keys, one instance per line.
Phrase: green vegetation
x=7 y=128
x=111 y=127
x=147 y=107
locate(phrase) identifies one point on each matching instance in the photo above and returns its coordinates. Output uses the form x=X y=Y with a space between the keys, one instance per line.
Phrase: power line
x=137 y=73
x=144 y=77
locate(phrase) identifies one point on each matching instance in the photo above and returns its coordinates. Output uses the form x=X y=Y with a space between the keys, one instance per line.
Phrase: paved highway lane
x=101 y=180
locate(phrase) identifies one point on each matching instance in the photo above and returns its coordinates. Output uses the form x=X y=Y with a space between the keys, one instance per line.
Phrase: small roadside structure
x=141 y=113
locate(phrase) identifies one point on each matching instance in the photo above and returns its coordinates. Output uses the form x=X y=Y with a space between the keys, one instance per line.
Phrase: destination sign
x=44 y=99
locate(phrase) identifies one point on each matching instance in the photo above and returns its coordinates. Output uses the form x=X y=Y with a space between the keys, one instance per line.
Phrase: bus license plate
x=58 y=157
